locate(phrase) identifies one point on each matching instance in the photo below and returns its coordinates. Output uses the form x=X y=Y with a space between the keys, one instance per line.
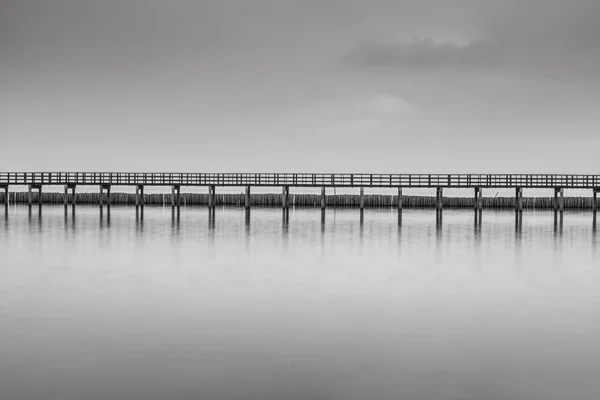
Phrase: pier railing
x=303 y=179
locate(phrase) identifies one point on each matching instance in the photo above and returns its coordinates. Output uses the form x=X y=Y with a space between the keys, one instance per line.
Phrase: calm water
x=190 y=306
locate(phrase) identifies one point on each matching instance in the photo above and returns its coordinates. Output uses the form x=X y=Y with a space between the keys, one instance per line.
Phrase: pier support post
x=175 y=195
x=478 y=205
x=362 y=198
x=29 y=195
x=323 y=200
x=102 y=189
x=139 y=195
x=247 y=198
x=285 y=197
x=559 y=200
x=519 y=199
x=6 y=198
x=399 y=198
x=438 y=198
x=66 y=198
x=211 y=196
x=594 y=201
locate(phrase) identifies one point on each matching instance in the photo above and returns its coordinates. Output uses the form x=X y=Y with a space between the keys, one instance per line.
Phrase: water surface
x=98 y=304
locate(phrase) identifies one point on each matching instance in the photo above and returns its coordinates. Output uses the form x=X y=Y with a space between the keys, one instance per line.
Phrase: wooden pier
x=104 y=181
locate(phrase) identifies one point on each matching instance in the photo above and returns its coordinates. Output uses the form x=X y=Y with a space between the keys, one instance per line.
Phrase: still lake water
x=263 y=306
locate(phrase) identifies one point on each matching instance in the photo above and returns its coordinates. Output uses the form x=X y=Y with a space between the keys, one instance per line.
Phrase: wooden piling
x=478 y=203
x=594 y=199
x=323 y=200
x=399 y=198
x=211 y=196
x=175 y=195
x=362 y=198
x=6 y=198
x=247 y=202
x=439 y=204
x=104 y=198
x=285 y=197
x=519 y=199
x=559 y=199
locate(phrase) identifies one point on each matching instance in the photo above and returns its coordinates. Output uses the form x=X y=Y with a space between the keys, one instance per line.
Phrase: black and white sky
x=449 y=86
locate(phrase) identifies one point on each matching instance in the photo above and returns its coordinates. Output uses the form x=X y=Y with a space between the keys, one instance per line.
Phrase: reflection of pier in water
x=557 y=223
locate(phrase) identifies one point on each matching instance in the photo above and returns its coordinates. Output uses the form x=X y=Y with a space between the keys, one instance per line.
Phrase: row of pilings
x=302 y=200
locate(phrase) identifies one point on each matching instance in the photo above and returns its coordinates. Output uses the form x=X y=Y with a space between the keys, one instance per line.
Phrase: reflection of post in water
x=211 y=218
x=518 y=221
x=30 y=213
x=175 y=217
x=247 y=219
x=477 y=223
x=558 y=222
x=285 y=219
x=438 y=219
x=139 y=216
x=362 y=218
x=107 y=216
x=594 y=222
x=400 y=217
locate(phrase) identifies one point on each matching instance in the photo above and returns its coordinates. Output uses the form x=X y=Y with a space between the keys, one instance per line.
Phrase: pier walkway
x=106 y=180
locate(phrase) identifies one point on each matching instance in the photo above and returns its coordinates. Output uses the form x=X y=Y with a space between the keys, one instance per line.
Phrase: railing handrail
x=302 y=179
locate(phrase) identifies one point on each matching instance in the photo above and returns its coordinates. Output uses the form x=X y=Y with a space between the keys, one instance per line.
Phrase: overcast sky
x=317 y=86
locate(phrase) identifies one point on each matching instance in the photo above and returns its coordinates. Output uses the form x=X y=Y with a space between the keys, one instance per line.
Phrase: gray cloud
x=546 y=35
x=426 y=52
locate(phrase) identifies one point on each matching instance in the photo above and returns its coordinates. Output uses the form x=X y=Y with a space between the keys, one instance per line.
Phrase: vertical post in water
x=594 y=199
x=40 y=195
x=137 y=195
x=247 y=198
x=66 y=196
x=141 y=195
x=6 y=198
x=285 y=197
x=559 y=203
x=438 y=199
x=478 y=200
x=399 y=198
x=323 y=200
x=211 y=196
x=175 y=195
x=107 y=195
x=29 y=195
x=362 y=198
x=74 y=196
x=101 y=200
x=519 y=199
